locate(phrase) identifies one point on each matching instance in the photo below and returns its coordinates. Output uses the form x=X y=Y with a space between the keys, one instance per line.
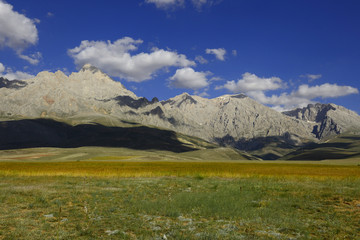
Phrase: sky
x=284 y=54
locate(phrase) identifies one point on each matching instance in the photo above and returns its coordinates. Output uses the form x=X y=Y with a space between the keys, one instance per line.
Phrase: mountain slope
x=90 y=96
x=233 y=120
x=344 y=146
x=56 y=95
x=30 y=133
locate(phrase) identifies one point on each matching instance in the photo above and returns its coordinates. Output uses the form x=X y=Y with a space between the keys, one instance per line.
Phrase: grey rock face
x=329 y=119
x=235 y=120
x=230 y=118
x=4 y=83
x=313 y=112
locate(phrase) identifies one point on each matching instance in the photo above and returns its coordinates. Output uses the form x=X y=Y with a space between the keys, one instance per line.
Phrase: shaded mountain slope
x=341 y=147
x=32 y=133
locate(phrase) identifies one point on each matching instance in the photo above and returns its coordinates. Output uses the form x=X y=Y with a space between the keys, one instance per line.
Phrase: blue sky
x=281 y=53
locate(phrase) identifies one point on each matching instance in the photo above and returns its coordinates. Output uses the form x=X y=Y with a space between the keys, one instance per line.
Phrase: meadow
x=53 y=195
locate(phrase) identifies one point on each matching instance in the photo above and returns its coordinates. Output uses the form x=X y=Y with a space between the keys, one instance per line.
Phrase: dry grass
x=176 y=169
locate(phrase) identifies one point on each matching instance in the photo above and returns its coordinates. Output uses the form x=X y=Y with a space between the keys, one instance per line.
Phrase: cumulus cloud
x=2 y=68
x=251 y=82
x=17 y=31
x=303 y=95
x=234 y=52
x=115 y=58
x=256 y=88
x=189 y=78
x=166 y=4
x=326 y=90
x=280 y=102
x=218 y=52
x=10 y=75
x=18 y=75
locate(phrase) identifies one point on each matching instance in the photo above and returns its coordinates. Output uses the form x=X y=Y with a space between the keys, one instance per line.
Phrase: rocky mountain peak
x=241 y=95
x=313 y=112
x=89 y=67
x=329 y=119
x=181 y=99
x=60 y=74
x=90 y=73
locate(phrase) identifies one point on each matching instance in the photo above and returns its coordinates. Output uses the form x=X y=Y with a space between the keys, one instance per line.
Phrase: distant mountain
x=233 y=120
x=329 y=119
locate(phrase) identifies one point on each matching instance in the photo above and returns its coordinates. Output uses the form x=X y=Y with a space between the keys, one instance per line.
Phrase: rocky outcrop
x=4 y=83
x=328 y=119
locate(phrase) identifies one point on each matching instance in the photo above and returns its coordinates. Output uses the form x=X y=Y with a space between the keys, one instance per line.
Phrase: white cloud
x=18 y=75
x=314 y=76
x=311 y=77
x=280 y=102
x=199 y=3
x=218 y=52
x=251 y=82
x=188 y=78
x=326 y=90
x=17 y=31
x=256 y=87
x=201 y=59
x=116 y=60
x=173 y=4
x=214 y=79
x=2 y=68
x=33 y=58
x=234 y=52
x=10 y=75
x=203 y=94
x=303 y=95
x=166 y=4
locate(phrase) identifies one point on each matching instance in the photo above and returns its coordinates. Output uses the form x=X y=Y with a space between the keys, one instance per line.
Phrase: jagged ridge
x=234 y=120
x=329 y=119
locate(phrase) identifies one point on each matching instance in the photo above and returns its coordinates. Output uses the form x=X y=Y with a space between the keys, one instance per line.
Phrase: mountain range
x=92 y=97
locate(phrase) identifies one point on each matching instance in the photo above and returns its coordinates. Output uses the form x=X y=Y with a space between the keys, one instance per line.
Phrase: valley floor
x=192 y=200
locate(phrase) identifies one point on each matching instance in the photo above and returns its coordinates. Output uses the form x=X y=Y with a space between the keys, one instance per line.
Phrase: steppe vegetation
x=122 y=196
x=108 y=169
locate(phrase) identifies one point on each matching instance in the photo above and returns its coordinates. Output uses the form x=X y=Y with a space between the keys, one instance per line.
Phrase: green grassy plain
x=50 y=207
x=108 y=193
